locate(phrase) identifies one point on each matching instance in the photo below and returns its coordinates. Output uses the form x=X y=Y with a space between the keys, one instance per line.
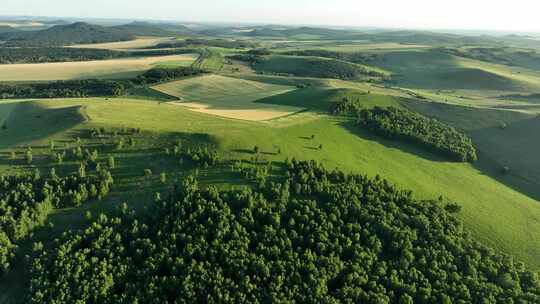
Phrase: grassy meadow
x=482 y=197
x=228 y=97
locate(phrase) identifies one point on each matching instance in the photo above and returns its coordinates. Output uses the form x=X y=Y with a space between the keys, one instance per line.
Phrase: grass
x=496 y=214
x=29 y=121
x=5 y=110
x=147 y=93
x=103 y=69
x=210 y=60
x=228 y=97
x=498 y=210
x=436 y=70
x=312 y=67
x=504 y=138
x=320 y=99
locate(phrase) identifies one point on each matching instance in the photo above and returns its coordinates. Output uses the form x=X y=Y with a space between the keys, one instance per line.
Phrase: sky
x=515 y=15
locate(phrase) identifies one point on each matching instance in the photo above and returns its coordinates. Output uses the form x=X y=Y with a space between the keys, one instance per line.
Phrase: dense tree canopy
x=195 y=42
x=68 y=88
x=309 y=67
x=93 y=87
x=355 y=57
x=157 y=75
x=410 y=126
x=10 y=55
x=310 y=236
x=26 y=200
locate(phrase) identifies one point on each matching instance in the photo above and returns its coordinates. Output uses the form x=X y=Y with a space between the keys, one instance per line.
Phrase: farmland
x=104 y=69
x=139 y=43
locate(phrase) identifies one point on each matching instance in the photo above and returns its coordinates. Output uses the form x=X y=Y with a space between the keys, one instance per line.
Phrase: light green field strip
x=496 y=214
x=529 y=78
x=228 y=97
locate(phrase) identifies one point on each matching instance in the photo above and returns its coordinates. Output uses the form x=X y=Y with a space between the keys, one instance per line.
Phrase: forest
x=197 y=42
x=356 y=57
x=157 y=75
x=409 y=126
x=64 y=89
x=308 y=67
x=93 y=87
x=307 y=235
x=62 y=54
x=26 y=201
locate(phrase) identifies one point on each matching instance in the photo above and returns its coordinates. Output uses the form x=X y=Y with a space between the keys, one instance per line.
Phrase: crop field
x=103 y=69
x=21 y=24
x=143 y=42
x=228 y=97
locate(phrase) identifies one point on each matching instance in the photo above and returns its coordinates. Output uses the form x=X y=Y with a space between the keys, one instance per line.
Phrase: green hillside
x=504 y=138
x=496 y=214
x=76 y=33
x=315 y=67
x=436 y=70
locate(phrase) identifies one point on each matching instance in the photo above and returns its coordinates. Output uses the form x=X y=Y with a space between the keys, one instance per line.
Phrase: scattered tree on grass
x=29 y=157
x=111 y=162
x=163 y=177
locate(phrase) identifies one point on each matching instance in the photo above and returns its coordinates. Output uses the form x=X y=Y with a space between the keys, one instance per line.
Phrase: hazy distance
x=517 y=15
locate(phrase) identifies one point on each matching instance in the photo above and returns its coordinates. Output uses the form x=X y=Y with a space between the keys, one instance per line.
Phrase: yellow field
x=22 y=24
x=228 y=97
x=125 y=45
x=104 y=69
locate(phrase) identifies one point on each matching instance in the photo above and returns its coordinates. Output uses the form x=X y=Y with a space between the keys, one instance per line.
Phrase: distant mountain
x=84 y=33
x=151 y=29
x=424 y=37
x=174 y=28
x=299 y=32
x=59 y=35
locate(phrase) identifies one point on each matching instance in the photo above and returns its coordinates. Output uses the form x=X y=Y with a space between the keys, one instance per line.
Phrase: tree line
x=93 y=87
x=27 y=200
x=12 y=55
x=409 y=126
x=355 y=57
x=309 y=235
x=308 y=67
x=196 y=42
x=65 y=88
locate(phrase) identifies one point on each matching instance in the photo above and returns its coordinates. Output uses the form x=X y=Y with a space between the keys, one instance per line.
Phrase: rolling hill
x=76 y=33
x=84 y=33
x=138 y=28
